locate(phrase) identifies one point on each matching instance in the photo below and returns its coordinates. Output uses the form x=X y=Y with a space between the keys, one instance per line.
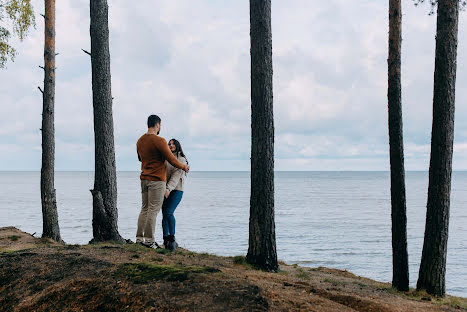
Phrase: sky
x=188 y=62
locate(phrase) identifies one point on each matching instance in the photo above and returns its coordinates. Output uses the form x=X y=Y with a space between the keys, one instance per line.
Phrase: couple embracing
x=163 y=170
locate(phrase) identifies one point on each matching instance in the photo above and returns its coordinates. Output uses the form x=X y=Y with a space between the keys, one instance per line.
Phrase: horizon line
x=458 y=170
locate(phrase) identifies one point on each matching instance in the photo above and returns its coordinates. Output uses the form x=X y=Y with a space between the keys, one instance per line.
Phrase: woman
x=173 y=195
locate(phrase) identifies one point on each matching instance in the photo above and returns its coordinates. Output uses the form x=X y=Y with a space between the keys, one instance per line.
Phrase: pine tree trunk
x=433 y=264
x=262 y=237
x=104 y=194
x=50 y=225
x=400 y=258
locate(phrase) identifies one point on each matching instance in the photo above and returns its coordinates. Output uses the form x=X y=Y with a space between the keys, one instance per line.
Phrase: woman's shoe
x=172 y=243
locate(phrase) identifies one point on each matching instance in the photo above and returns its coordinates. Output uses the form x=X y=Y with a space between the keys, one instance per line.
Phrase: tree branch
x=40 y=90
x=42 y=15
x=41 y=67
x=88 y=53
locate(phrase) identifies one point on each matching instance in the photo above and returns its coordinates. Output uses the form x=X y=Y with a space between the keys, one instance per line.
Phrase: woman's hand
x=167 y=193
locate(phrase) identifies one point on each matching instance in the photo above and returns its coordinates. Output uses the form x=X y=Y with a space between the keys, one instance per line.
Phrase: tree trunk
x=50 y=225
x=104 y=194
x=433 y=264
x=400 y=258
x=262 y=236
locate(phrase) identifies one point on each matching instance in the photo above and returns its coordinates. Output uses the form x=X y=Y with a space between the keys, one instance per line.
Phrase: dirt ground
x=39 y=275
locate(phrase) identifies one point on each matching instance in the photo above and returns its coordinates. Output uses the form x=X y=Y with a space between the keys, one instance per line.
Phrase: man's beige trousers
x=153 y=196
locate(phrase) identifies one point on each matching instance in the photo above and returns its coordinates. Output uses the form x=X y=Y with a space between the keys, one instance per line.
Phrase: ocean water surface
x=333 y=219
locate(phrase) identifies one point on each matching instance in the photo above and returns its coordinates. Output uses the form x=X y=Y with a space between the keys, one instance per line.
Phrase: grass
x=13 y=238
x=422 y=295
x=71 y=247
x=141 y=273
x=240 y=260
x=163 y=251
x=334 y=282
x=303 y=274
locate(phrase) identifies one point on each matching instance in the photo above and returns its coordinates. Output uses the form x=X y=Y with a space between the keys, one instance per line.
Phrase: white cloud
x=188 y=61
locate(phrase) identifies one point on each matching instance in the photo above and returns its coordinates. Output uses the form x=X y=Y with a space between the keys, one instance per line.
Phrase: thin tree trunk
x=400 y=258
x=50 y=225
x=262 y=237
x=104 y=194
x=433 y=264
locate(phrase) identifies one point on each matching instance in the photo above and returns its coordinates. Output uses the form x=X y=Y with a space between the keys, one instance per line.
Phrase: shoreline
x=37 y=274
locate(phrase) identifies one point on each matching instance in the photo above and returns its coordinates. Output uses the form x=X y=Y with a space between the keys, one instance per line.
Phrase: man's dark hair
x=153 y=120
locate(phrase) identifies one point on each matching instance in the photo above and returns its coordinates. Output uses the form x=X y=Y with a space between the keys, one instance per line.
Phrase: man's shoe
x=153 y=245
x=166 y=242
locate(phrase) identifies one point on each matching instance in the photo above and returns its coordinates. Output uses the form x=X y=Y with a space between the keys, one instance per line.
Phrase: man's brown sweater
x=153 y=151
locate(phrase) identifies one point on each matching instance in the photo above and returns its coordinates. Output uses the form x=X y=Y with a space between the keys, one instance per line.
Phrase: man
x=153 y=151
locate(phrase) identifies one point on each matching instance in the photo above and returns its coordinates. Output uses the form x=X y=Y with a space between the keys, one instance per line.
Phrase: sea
x=333 y=219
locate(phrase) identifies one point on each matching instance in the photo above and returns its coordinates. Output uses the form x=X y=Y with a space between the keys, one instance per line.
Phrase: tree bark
x=50 y=225
x=104 y=194
x=262 y=237
x=400 y=258
x=433 y=264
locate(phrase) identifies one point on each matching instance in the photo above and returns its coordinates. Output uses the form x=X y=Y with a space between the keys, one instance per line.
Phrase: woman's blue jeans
x=168 y=209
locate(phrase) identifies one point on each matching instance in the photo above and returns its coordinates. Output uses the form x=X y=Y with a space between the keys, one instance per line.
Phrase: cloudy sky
x=188 y=61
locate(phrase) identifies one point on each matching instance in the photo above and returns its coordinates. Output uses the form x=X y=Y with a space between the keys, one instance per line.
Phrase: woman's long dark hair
x=178 y=149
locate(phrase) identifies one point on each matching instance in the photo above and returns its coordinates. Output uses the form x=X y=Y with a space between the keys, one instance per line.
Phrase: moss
x=13 y=238
x=141 y=273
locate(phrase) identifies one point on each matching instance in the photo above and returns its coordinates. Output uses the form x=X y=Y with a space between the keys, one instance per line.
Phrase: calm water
x=332 y=219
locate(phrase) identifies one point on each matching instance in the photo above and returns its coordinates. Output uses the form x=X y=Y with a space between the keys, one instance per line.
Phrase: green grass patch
x=13 y=238
x=141 y=273
x=71 y=247
x=303 y=274
x=334 y=282
x=204 y=255
x=136 y=248
x=422 y=295
x=163 y=251
x=239 y=260
x=361 y=285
